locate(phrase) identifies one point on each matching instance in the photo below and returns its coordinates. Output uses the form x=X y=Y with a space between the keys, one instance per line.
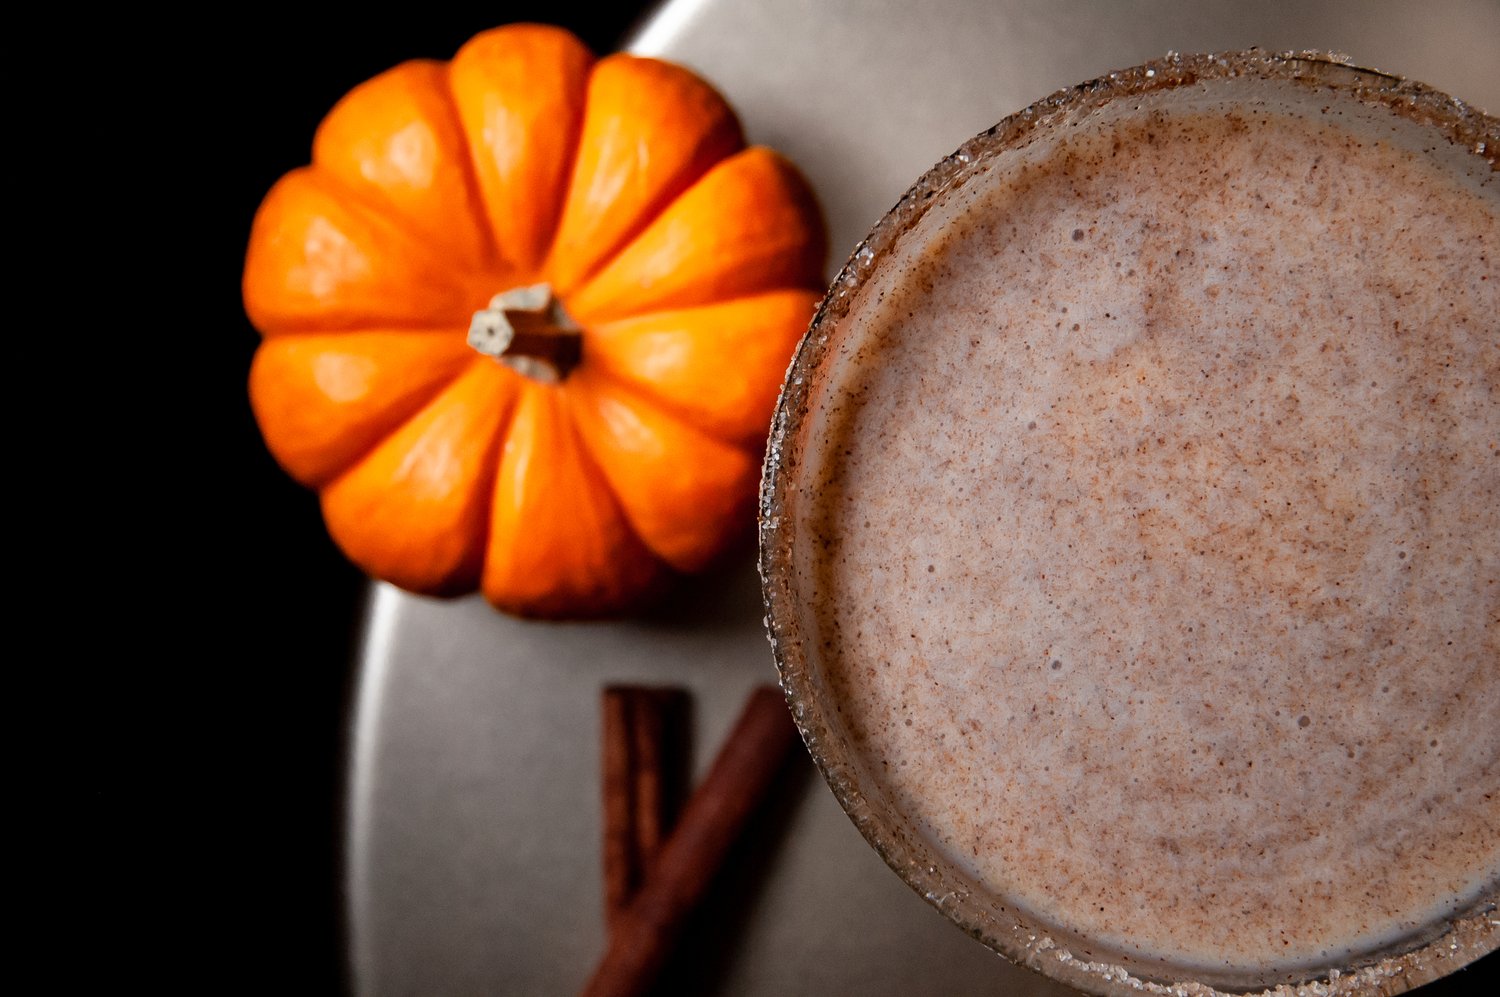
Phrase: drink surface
x=1156 y=523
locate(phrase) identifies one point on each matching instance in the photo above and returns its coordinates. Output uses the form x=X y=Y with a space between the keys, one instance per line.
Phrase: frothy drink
x=1148 y=532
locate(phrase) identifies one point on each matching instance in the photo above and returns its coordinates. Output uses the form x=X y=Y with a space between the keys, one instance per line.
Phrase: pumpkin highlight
x=525 y=318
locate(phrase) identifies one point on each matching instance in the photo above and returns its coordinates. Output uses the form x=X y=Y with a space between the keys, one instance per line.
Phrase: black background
x=220 y=616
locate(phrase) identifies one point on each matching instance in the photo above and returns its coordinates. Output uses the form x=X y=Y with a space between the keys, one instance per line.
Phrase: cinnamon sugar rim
x=1004 y=929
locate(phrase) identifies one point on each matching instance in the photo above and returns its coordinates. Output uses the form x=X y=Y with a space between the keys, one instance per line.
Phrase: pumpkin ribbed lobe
x=325 y=401
x=320 y=261
x=415 y=510
x=520 y=92
x=551 y=558
x=690 y=256
x=677 y=485
x=396 y=143
x=528 y=330
x=651 y=130
x=669 y=356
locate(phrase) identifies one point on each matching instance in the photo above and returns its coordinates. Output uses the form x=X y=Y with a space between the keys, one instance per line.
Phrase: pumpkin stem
x=527 y=329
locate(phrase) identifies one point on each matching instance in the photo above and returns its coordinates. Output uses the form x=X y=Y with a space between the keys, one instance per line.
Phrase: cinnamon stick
x=621 y=873
x=648 y=709
x=643 y=934
x=638 y=722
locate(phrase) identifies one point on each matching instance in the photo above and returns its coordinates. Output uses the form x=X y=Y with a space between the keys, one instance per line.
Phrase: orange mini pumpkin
x=525 y=318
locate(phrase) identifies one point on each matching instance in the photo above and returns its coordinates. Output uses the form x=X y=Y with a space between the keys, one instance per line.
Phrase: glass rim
x=1015 y=934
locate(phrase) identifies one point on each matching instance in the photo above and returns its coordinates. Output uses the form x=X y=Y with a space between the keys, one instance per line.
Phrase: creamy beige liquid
x=1157 y=538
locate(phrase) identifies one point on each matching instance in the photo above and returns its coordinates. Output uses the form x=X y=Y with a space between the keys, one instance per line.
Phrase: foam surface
x=1160 y=557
